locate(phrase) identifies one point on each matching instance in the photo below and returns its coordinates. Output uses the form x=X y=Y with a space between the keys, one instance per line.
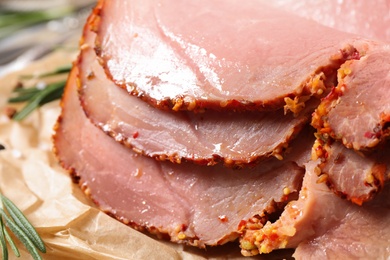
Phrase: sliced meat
x=222 y=54
x=300 y=150
x=324 y=226
x=298 y=220
x=353 y=175
x=206 y=138
x=357 y=111
x=347 y=15
x=361 y=233
x=191 y=204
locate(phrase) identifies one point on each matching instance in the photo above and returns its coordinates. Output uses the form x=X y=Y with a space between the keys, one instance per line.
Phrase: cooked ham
x=354 y=233
x=324 y=226
x=352 y=175
x=206 y=138
x=238 y=64
x=346 y=15
x=357 y=111
x=222 y=54
x=191 y=204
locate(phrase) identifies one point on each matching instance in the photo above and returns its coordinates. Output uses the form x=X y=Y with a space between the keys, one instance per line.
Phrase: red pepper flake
x=331 y=95
x=284 y=198
x=242 y=224
x=135 y=134
x=357 y=201
x=355 y=55
x=223 y=218
x=184 y=227
x=385 y=117
x=326 y=155
x=273 y=236
x=369 y=135
x=350 y=53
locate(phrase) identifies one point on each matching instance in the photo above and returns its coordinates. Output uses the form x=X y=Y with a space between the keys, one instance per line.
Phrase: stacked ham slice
x=205 y=122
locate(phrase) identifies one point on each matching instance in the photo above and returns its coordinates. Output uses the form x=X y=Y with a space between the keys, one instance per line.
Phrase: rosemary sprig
x=18 y=224
x=59 y=70
x=10 y=241
x=14 y=21
x=4 y=248
x=38 y=96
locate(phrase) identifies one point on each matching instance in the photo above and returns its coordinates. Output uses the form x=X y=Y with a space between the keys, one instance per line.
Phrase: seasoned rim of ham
x=207 y=206
x=237 y=139
x=191 y=204
x=192 y=66
x=352 y=175
x=357 y=111
x=322 y=225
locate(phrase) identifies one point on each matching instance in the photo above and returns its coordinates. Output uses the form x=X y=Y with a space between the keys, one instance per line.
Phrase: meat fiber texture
x=192 y=204
x=208 y=61
x=357 y=112
x=205 y=138
x=368 y=19
x=321 y=225
x=231 y=80
x=354 y=176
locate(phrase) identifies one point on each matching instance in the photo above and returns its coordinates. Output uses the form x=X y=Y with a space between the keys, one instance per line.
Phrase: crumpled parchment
x=69 y=224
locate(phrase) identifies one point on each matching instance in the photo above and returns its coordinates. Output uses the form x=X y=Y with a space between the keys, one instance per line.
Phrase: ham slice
x=321 y=225
x=354 y=233
x=222 y=54
x=238 y=64
x=357 y=111
x=352 y=175
x=206 y=138
x=347 y=15
x=191 y=204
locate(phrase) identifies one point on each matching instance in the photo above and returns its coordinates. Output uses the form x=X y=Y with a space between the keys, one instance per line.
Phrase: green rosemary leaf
x=25 y=96
x=59 y=70
x=54 y=95
x=21 y=91
x=11 y=242
x=51 y=92
x=31 y=106
x=21 y=235
x=3 y=243
x=22 y=222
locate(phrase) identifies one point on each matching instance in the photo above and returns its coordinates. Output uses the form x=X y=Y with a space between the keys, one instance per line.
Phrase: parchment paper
x=70 y=225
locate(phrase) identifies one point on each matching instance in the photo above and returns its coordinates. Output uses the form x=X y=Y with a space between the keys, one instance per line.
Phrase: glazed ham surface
x=191 y=204
x=206 y=138
x=220 y=55
x=323 y=226
x=173 y=58
x=366 y=18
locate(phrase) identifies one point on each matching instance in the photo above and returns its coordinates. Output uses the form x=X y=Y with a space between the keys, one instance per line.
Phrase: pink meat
x=357 y=112
x=222 y=54
x=353 y=175
x=235 y=138
x=191 y=204
x=359 y=233
x=323 y=226
x=370 y=19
